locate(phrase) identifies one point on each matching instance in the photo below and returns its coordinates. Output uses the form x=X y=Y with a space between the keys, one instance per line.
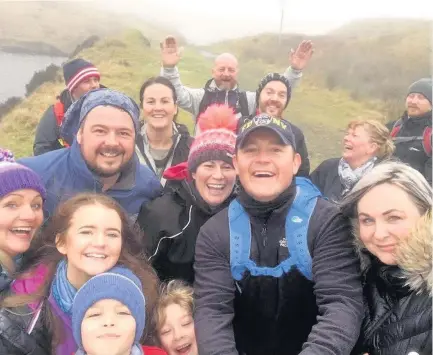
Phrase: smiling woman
x=366 y=143
x=163 y=142
x=21 y=198
x=391 y=211
x=88 y=235
x=202 y=186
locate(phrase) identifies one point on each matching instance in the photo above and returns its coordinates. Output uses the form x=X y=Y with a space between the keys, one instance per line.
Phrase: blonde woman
x=174 y=319
x=391 y=211
x=366 y=143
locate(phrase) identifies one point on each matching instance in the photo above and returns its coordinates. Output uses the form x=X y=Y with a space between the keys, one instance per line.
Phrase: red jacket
x=152 y=350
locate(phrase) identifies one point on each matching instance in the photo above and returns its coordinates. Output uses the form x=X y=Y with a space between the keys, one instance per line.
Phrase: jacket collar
x=77 y=163
x=423 y=117
x=136 y=350
x=146 y=140
x=212 y=86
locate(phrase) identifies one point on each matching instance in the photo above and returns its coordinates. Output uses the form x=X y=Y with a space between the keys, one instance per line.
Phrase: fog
x=205 y=21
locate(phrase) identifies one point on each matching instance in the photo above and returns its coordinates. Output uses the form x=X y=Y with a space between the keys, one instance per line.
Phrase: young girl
x=88 y=235
x=108 y=315
x=174 y=319
x=21 y=198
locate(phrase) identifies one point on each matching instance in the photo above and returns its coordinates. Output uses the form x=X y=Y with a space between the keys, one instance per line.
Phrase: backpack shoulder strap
x=204 y=103
x=427 y=141
x=396 y=128
x=297 y=223
x=59 y=112
x=240 y=238
x=243 y=104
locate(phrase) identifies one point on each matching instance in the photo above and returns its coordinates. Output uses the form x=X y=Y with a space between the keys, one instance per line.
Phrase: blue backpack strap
x=297 y=222
x=240 y=239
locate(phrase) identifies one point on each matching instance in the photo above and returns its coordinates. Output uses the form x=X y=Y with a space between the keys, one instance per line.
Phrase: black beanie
x=274 y=77
x=423 y=87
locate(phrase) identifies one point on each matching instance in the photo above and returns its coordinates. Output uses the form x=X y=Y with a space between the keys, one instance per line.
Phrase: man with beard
x=412 y=134
x=223 y=88
x=272 y=97
x=276 y=272
x=80 y=77
x=100 y=128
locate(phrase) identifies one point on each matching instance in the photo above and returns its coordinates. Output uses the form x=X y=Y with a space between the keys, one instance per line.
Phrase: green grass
x=125 y=64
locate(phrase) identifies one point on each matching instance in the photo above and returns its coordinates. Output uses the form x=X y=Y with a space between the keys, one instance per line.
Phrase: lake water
x=16 y=70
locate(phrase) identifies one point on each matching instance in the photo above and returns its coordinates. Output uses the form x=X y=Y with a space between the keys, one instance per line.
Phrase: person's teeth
x=92 y=255
x=263 y=173
x=109 y=154
x=216 y=186
x=21 y=229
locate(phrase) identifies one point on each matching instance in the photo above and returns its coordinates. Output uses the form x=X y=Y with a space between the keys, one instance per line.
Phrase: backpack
x=426 y=137
x=297 y=222
x=241 y=105
x=59 y=113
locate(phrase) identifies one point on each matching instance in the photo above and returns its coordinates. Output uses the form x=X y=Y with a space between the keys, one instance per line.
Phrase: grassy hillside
x=371 y=59
x=61 y=24
x=125 y=63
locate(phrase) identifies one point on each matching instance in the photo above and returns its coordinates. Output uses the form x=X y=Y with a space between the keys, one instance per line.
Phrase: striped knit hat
x=78 y=70
x=217 y=139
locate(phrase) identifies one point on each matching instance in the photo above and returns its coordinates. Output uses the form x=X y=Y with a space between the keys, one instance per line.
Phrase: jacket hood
x=413 y=256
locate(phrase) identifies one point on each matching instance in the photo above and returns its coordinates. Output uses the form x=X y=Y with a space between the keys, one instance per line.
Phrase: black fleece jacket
x=336 y=282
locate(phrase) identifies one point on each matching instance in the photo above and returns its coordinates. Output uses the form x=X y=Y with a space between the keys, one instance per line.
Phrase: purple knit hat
x=6 y=155
x=14 y=176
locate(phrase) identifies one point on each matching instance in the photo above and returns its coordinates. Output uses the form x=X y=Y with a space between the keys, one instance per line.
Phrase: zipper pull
x=264 y=236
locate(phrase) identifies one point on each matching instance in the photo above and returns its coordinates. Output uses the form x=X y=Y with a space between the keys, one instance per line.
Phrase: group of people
x=124 y=234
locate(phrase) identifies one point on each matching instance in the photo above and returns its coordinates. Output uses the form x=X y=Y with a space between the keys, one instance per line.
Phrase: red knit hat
x=216 y=141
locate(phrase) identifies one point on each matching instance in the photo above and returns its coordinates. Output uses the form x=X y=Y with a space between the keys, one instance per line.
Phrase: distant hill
x=371 y=59
x=57 y=27
x=125 y=62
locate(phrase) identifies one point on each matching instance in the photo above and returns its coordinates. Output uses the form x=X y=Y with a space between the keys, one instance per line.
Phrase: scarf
x=349 y=177
x=264 y=209
x=62 y=290
x=136 y=350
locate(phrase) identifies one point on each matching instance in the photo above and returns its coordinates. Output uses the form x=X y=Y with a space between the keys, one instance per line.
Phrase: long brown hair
x=43 y=251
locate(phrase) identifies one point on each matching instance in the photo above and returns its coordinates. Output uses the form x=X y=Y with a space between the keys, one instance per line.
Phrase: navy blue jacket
x=65 y=173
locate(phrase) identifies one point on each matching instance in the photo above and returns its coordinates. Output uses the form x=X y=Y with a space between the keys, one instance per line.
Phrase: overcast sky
x=203 y=21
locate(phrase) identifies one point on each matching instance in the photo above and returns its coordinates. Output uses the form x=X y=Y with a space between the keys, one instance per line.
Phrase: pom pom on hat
x=218 y=116
x=217 y=139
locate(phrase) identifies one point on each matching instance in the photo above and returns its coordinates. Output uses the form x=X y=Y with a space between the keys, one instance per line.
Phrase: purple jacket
x=29 y=286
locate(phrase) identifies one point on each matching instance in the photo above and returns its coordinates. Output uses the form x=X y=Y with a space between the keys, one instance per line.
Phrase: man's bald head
x=225 y=71
x=226 y=57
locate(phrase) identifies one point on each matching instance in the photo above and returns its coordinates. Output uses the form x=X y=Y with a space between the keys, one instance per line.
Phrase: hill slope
x=61 y=25
x=372 y=59
x=125 y=63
